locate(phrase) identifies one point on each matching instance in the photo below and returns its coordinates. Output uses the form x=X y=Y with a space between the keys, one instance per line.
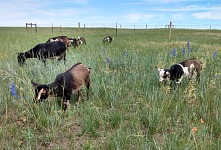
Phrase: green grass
x=128 y=108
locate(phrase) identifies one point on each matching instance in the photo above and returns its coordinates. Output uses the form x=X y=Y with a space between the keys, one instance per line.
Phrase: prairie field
x=128 y=107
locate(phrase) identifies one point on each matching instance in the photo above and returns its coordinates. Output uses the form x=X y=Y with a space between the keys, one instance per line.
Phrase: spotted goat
x=189 y=68
x=108 y=39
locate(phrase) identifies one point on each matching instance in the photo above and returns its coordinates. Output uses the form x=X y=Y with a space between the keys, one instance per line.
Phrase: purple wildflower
x=214 y=53
x=183 y=51
x=107 y=60
x=102 y=51
x=189 y=51
x=173 y=53
x=126 y=53
x=188 y=44
x=13 y=89
x=188 y=47
x=216 y=76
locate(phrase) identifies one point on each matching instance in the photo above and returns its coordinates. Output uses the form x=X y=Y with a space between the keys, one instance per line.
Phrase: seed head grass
x=128 y=108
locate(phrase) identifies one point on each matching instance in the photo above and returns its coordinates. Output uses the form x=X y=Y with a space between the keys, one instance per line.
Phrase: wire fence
x=136 y=25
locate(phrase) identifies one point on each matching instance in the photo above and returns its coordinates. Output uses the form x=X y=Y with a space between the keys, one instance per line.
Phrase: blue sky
x=70 y=12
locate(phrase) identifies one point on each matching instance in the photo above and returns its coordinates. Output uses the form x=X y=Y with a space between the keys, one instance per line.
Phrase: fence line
x=136 y=25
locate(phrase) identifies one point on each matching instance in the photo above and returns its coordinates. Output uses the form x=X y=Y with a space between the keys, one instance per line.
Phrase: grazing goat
x=108 y=39
x=44 y=51
x=74 y=42
x=188 y=68
x=65 y=84
x=64 y=39
x=77 y=41
x=81 y=40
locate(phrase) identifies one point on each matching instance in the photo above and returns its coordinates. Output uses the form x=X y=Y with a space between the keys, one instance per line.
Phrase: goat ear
x=34 y=84
x=20 y=53
x=158 y=68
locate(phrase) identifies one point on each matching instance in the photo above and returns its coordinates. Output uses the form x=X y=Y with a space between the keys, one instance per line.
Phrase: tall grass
x=128 y=108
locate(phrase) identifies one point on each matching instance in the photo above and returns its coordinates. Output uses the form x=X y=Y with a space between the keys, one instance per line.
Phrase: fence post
x=116 y=29
x=52 y=28
x=170 y=30
x=31 y=24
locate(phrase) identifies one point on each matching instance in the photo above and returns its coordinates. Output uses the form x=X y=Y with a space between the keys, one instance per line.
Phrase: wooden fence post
x=116 y=29
x=170 y=30
x=31 y=24
x=79 y=25
x=52 y=28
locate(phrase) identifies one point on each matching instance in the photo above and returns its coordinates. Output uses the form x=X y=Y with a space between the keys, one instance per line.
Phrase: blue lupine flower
x=173 y=53
x=216 y=76
x=189 y=51
x=126 y=53
x=102 y=51
x=107 y=60
x=188 y=44
x=214 y=53
x=13 y=89
x=188 y=47
x=183 y=51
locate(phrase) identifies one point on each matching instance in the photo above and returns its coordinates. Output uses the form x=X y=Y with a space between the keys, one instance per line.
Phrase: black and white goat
x=44 y=51
x=81 y=40
x=189 y=68
x=108 y=39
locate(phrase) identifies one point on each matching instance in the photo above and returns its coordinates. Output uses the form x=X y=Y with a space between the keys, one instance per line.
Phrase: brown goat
x=65 y=84
x=64 y=39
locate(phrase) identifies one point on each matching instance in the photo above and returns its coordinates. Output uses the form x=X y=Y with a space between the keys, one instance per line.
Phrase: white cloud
x=177 y=1
x=139 y=16
x=208 y=15
x=179 y=16
x=160 y=2
x=190 y=8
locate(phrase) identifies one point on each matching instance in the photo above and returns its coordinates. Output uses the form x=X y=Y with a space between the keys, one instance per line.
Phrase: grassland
x=128 y=108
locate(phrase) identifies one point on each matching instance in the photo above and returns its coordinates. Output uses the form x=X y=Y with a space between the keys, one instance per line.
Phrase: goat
x=108 y=39
x=44 y=51
x=64 y=39
x=188 y=68
x=81 y=40
x=65 y=84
